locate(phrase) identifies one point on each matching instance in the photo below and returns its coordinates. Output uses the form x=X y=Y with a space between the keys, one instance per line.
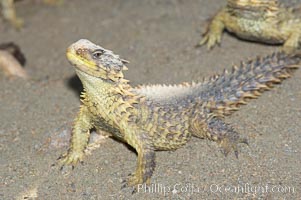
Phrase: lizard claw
x=211 y=39
x=131 y=181
x=231 y=143
x=124 y=182
x=70 y=158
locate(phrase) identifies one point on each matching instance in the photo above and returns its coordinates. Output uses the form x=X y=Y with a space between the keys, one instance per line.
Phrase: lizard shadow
x=75 y=84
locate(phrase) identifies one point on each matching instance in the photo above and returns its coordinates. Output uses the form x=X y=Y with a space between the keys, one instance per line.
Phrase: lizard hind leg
x=217 y=130
x=225 y=135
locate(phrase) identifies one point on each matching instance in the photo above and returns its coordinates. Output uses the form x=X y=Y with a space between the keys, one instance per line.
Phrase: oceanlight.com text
x=190 y=188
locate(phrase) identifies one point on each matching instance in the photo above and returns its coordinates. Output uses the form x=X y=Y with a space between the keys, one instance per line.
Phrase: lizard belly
x=254 y=30
x=107 y=126
x=170 y=134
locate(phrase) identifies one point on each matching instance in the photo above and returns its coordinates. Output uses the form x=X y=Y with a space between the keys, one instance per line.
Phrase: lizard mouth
x=79 y=61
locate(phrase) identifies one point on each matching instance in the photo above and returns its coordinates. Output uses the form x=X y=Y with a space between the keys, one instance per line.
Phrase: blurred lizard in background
x=9 y=11
x=264 y=21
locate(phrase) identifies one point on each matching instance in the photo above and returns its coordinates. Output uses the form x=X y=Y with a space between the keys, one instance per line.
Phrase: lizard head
x=95 y=60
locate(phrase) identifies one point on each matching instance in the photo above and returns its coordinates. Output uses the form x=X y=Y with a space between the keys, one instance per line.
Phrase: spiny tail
x=226 y=92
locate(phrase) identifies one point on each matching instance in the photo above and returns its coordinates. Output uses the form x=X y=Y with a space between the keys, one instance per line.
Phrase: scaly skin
x=160 y=117
x=9 y=11
x=256 y=20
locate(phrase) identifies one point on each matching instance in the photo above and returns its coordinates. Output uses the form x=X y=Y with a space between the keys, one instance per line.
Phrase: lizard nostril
x=79 y=52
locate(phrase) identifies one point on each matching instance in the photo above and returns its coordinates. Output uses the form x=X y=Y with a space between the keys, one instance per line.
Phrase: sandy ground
x=158 y=38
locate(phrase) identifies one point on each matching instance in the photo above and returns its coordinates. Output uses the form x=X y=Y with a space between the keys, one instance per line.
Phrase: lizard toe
x=70 y=158
x=229 y=144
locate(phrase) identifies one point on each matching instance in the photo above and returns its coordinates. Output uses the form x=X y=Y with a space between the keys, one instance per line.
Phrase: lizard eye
x=98 y=53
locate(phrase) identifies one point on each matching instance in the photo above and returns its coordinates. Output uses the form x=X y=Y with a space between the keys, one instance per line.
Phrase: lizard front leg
x=214 y=31
x=145 y=162
x=80 y=136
